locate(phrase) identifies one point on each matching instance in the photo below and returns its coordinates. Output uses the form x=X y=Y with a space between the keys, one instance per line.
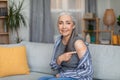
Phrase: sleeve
x=53 y=62
x=54 y=65
x=84 y=68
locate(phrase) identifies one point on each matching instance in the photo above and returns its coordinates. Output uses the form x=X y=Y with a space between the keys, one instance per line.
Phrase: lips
x=64 y=30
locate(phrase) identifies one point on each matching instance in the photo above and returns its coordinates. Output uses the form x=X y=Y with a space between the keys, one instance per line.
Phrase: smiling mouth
x=64 y=30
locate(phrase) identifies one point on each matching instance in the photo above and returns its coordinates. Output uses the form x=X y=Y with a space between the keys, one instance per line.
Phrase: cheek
x=59 y=27
x=70 y=28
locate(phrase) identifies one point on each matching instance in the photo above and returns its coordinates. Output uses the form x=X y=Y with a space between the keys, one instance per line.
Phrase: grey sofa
x=106 y=61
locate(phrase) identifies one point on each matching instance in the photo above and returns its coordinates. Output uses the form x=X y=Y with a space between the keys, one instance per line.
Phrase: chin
x=65 y=35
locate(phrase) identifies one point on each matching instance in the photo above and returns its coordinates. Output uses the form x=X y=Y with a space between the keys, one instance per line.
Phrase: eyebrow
x=65 y=21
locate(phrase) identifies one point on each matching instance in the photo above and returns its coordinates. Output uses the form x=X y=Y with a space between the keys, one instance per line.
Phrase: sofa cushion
x=13 y=60
x=31 y=76
x=39 y=56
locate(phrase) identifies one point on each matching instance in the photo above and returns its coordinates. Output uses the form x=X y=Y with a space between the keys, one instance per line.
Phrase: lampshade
x=109 y=17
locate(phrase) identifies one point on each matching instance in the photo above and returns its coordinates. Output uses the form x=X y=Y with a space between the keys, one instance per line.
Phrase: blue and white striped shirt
x=83 y=71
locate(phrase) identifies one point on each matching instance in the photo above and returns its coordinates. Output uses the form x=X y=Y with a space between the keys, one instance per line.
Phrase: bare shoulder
x=80 y=47
x=79 y=43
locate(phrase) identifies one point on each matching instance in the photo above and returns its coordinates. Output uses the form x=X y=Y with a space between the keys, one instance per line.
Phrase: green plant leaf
x=118 y=18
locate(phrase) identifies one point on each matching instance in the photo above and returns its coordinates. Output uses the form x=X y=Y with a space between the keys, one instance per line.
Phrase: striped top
x=83 y=71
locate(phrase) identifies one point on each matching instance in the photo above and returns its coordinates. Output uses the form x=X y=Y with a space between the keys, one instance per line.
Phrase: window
x=76 y=7
x=66 y=4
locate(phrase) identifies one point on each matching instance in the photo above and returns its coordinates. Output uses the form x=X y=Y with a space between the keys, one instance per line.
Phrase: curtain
x=91 y=6
x=41 y=29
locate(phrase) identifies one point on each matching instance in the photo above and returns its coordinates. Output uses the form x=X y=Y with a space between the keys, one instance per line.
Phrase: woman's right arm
x=54 y=65
x=65 y=57
x=53 y=62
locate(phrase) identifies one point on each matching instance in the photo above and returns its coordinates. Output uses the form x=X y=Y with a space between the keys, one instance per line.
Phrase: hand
x=65 y=57
x=57 y=75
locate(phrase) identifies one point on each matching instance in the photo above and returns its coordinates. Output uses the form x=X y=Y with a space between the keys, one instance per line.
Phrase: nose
x=64 y=26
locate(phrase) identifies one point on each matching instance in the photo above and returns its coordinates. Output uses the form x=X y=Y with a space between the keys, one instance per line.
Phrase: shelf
x=97 y=31
x=90 y=18
x=2 y=17
x=3 y=0
x=3 y=3
x=89 y=31
x=4 y=33
x=104 y=31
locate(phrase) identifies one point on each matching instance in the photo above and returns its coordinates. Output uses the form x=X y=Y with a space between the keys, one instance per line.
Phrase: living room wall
x=102 y=5
x=115 y=5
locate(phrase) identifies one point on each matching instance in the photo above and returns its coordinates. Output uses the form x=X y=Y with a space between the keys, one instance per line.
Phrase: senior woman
x=71 y=56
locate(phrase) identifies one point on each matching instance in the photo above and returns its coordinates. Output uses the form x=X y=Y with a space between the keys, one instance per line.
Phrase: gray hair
x=70 y=44
x=69 y=14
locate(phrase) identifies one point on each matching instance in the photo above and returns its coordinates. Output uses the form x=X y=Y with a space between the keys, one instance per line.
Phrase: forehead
x=65 y=17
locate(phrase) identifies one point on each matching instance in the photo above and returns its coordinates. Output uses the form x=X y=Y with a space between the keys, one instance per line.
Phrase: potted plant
x=92 y=35
x=118 y=20
x=15 y=18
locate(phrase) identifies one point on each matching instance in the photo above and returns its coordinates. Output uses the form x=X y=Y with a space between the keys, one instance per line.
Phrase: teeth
x=64 y=31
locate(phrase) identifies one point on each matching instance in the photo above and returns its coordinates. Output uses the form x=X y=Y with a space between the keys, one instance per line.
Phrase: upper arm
x=80 y=48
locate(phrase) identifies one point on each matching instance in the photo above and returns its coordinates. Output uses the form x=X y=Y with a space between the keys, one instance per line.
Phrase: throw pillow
x=13 y=61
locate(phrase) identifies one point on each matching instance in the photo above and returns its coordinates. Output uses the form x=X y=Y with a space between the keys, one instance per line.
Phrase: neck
x=65 y=39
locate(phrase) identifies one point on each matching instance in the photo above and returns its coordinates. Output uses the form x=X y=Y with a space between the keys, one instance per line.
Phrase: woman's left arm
x=84 y=67
x=80 y=48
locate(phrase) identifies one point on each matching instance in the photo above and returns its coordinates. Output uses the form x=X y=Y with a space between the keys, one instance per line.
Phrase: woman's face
x=65 y=25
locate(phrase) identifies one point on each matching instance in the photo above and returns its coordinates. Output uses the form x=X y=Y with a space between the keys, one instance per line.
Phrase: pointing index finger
x=73 y=52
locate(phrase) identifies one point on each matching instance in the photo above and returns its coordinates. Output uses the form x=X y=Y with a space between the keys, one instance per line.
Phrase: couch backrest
x=39 y=56
x=105 y=58
x=106 y=61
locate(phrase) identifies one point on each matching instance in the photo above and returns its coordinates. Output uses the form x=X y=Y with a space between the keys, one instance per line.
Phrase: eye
x=59 y=23
x=68 y=23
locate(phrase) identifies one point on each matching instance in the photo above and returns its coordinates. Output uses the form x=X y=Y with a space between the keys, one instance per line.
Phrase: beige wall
x=102 y=5
x=115 y=4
